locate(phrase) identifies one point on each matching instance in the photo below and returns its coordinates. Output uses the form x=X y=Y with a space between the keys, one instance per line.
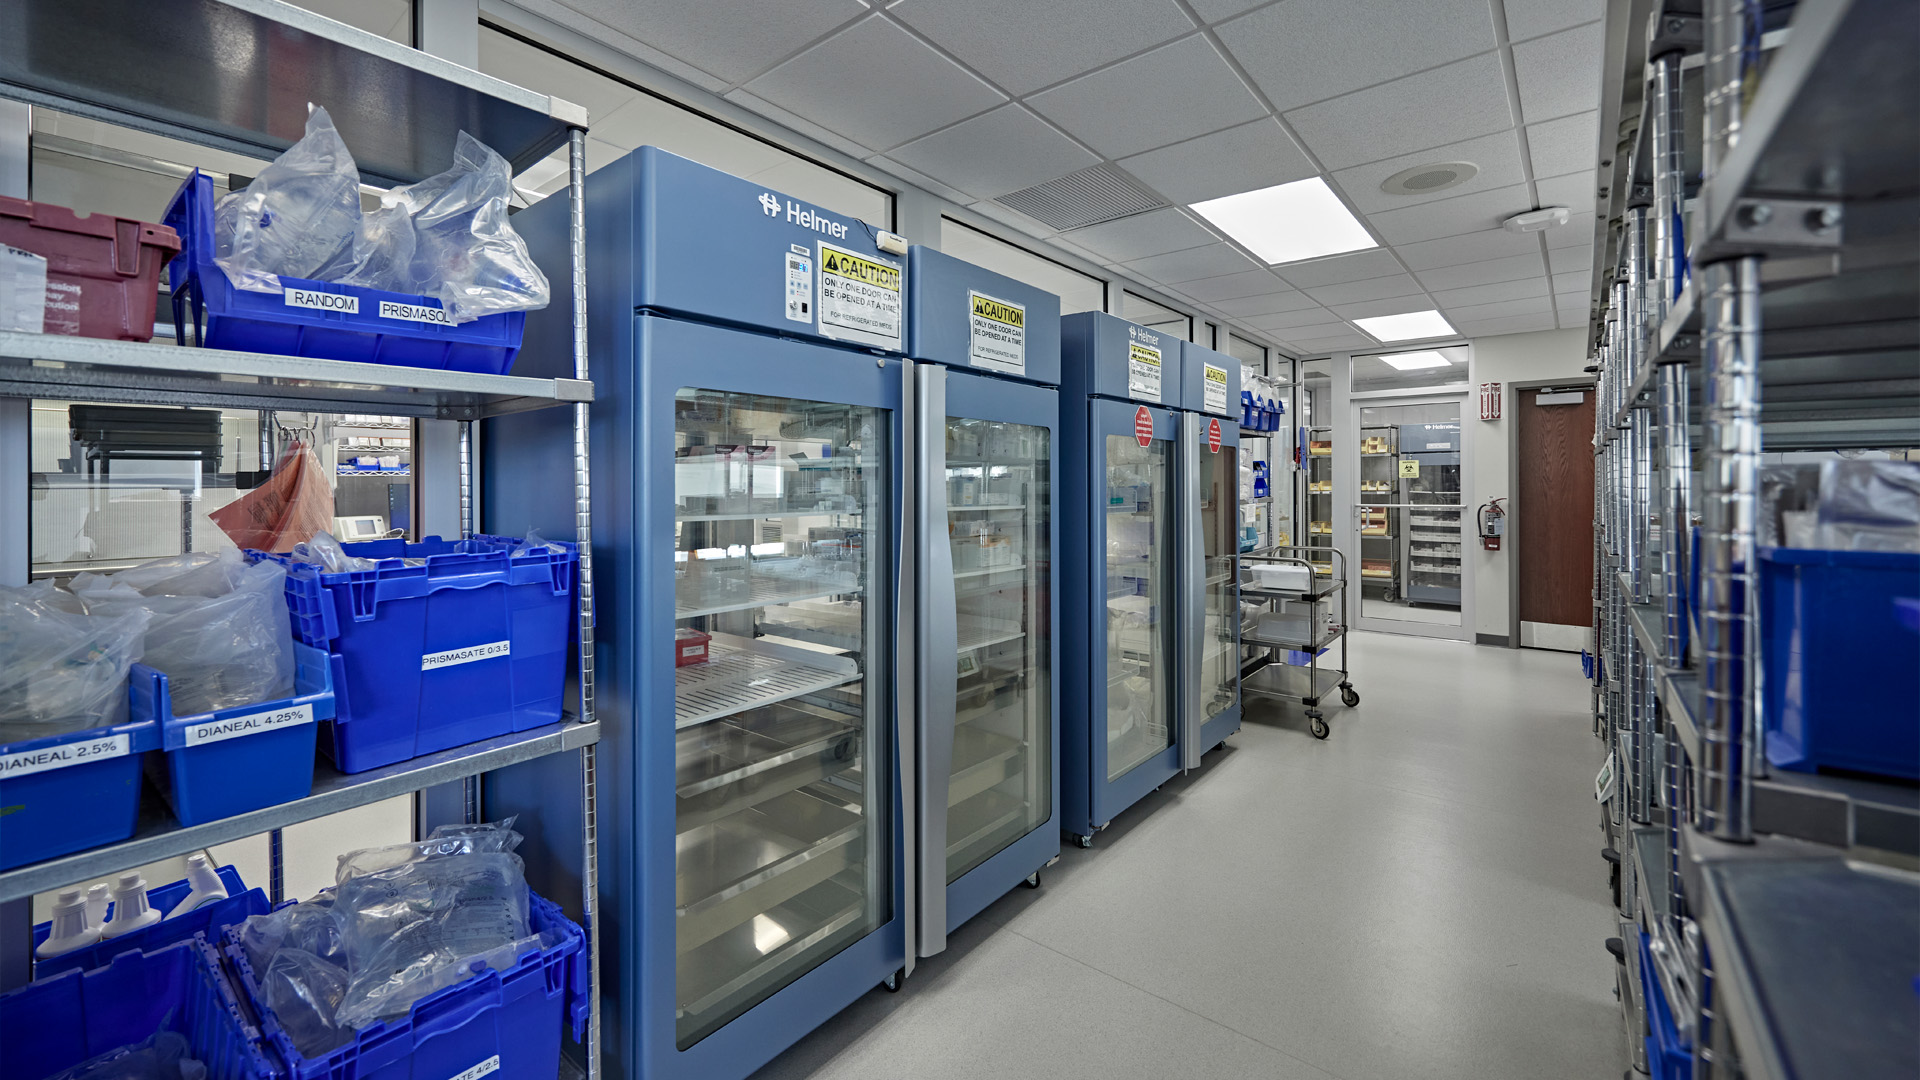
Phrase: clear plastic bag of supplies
x=62 y=668
x=304 y=991
x=298 y=218
x=307 y=926
x=165 y=1056
x=448 y=236
x=1869 y=506
x=218 y=626
x=328 y=554
x=492 y=838
x=412 y=929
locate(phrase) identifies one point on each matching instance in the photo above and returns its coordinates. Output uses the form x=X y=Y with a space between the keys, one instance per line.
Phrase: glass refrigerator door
x=1219 y=543
x=1001 y=540
x=1139 y=597
x=781 y=539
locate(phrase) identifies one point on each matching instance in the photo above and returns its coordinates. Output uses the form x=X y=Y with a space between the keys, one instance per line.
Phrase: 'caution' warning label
x=1143 y=371
x=1213 y=391
x=999 y=334
x=860 y=298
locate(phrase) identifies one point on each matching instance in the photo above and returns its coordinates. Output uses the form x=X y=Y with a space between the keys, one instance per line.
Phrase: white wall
x=1507 y=359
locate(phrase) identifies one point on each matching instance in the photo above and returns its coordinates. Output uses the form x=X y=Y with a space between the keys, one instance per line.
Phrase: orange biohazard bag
x=295 y=503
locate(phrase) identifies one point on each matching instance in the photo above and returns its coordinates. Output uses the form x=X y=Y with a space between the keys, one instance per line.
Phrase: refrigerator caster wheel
x=1033 y=880
x=1349 y=695
x=891 y=984
x=1084 y=841
x=1320 y=729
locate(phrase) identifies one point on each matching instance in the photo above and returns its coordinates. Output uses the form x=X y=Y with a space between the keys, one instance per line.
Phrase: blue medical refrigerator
x=984 y=473
x=748 y=445
x=1150 y=626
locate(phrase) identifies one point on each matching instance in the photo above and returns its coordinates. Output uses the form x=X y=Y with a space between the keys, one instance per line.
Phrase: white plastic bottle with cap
x=70 y=927
x=99 y=895
x=130 y=909
x=207 y=886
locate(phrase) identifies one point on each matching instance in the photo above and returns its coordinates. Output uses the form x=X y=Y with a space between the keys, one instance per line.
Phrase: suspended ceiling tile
x=1579 y=300
x=1463 y=275
x=1217 y=290
x=1446 y=105
x=1467 y=247
x=1214 y=11
x=1136 y=237
x=797 y=122
x=1242 y=158
x=1453 y=299
x=1316 y=320
x=1212 y=260
x=1478 y=212
x=1006 y=215
x=1496 y=155
x=1575 y=191
x=1572 y=281
x=1274 y=303
x=915 y=176
x=1531 y=18
x=1308 y=50
x=1569 y=144
x=1563 y=260
x=733 y=39
x=1381 y=288
x=1154 y=99
x=996 y=152
x=1024 y=46
x=1334 y=269
x=1517 y=324
x=1530 y=305
x=1577 y=232
x=538 y=69
x=1336 y=342
x=1371 y=309
x=876 y=84
x=1559 y=75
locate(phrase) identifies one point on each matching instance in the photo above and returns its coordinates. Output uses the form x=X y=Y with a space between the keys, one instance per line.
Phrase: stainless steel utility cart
x=1287 y=605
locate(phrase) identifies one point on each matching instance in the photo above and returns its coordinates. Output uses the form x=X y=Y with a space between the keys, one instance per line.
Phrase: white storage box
x=1284 y=576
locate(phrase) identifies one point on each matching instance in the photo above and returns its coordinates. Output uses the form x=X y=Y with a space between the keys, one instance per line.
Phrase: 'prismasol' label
x=415 y=313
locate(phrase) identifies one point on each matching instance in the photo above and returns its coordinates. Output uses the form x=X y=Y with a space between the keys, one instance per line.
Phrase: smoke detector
x=1537 y=220
x=1427 y=179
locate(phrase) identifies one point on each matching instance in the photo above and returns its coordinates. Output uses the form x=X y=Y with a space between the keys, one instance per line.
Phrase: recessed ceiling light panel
x=1427 y=179
x=1409 y=327
x=1288 y=222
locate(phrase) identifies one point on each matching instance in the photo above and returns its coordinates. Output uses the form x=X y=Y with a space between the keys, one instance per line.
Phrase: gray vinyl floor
x=1421 y=895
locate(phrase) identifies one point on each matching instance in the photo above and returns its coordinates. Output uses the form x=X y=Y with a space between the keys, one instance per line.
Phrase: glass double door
x=1409 y=537
x=1214 y=500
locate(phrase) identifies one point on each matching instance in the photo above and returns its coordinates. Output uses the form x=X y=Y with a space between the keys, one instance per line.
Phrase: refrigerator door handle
x=938 y=633
x=1191 y=591
x=906 y=654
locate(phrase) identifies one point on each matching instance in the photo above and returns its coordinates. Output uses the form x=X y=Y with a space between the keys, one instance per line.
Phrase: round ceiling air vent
x=1426 y=179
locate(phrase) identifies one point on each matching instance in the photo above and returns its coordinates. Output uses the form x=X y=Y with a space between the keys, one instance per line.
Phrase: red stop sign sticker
x=1213 y=435
x=1142 y=426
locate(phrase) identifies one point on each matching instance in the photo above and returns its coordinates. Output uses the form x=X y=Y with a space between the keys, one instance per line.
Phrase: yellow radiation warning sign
x=859 y=297
x=999 y=332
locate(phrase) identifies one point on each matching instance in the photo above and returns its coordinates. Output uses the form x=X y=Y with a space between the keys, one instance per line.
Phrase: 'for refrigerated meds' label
x=28 y=762
x=999 y=334
x=436 y=661
x=1213 y=391
x=485 y=1068
x=233 y=727
x=799 y=284
x=860 y=298
x=1143 y=371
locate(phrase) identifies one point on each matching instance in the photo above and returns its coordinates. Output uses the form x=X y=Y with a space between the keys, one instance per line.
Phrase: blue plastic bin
x=231 y=761
x=225 y=317
x=57 y=1023
x=513 y=1016
x=469 y=645
x=67 y=793
x=209 y=920
x=1841 y=667
x=1669 y=1057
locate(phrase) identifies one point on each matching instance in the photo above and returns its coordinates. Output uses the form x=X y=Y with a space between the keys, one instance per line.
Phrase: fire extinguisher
x=1493 y=524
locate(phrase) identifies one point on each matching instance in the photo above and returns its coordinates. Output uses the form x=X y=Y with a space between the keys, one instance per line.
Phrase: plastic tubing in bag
x=63 y=669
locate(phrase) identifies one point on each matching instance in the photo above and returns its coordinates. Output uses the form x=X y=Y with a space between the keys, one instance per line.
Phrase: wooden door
x=1553 y=507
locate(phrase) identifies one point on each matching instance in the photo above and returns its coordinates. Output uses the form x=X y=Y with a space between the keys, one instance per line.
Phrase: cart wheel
x=1349 y=695
x=1033 y=880
x=1084 y=841
x=1320 y=729
x=891 y=984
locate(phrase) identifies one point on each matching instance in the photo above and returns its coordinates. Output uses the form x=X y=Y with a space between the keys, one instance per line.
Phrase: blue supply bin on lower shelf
x=246 y=758
x=56 y=1023
x=1669 y=1057
x=208 y=919
x=1841 y=663
x=496 y=1023
x=443 y=643
x=318 y=319
x=66 y=793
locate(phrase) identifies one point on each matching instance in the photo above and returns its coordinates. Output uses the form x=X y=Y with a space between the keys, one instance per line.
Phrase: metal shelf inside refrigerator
x=977 y=818
x=730 y=870
x=981 y=760
x=763 y=590
x=832 y=624
x=979 y=631
x=728 y=766
x=960 y=575
x=768 y=515
x=742 y=673
x=734 y=964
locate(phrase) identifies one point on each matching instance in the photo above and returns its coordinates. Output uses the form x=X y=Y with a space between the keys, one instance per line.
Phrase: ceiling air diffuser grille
x=1087 y=197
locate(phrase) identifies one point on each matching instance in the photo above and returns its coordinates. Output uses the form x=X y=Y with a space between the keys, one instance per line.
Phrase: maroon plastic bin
x=103 y=272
